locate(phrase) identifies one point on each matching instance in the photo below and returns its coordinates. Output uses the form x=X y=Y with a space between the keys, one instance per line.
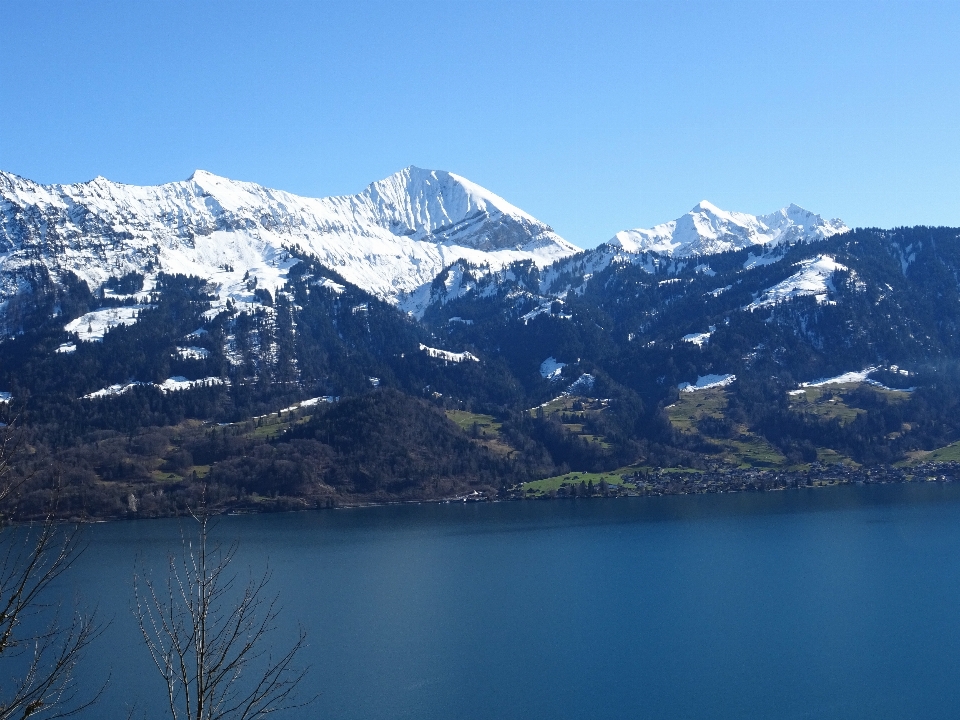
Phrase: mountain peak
x=706 y=206
x=707 y=230
x=390 y=239
x=207 y=179
x=200 y=174
x=426 y=201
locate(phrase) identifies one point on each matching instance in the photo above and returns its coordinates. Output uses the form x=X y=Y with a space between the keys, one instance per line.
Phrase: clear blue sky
x=592 y=116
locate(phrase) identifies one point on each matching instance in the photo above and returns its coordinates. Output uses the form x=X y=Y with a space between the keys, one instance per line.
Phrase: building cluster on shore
x=679 y=482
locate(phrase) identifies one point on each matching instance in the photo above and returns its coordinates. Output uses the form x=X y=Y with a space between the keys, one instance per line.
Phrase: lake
x=814 y=603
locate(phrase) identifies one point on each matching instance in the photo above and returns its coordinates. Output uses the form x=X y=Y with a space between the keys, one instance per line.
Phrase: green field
x=948 y=453
x=466 y=421
x=692 y=407
x=753 y=451
x=746 y=450
x=483 y=428
x=833 y=401
x=564 y=403
x=266 y=427
x=577 y=409
x=614 y=477
x=827 y=402
x=832 y=457
x=160 y=476
x=270 y=426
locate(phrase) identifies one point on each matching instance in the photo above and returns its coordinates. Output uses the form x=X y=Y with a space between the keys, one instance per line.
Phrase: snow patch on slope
x=193 y=353
x=551 y=368
x=331 y=285
x=847 y=378
x=173 y=384
x=178 y=383
x=815 y=277
x=699 y=339
x=447 y=355
x=705 y=382
x=582 y=384
x=92 y=326
x=330 y=399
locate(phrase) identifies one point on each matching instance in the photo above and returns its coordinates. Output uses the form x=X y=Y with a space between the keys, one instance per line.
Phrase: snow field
x=699 y=339
x=855 y=376
x=551 y=368
x=92 y=326
x=447 y=355
x=173 y=384
x=815 y=277
x=193 y=353
x=707 y=381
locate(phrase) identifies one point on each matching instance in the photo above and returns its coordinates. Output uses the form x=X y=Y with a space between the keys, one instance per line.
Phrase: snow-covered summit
x=707 y=230
x=422 y=203
x=389 y=239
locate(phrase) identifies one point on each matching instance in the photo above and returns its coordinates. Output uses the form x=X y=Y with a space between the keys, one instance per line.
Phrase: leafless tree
x=207 y=634
x=40 y=650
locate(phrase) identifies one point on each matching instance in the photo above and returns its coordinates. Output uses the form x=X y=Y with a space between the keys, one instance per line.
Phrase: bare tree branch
x=32 y=558
x=207 y=636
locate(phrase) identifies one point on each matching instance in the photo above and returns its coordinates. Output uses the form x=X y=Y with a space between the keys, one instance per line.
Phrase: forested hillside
x=132 y=394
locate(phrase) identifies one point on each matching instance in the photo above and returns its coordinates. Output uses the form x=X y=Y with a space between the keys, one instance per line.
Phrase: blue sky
x=592 y=116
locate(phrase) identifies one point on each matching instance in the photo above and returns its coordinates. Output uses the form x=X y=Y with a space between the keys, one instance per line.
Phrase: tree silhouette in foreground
x=207 y=636
x=39 y=652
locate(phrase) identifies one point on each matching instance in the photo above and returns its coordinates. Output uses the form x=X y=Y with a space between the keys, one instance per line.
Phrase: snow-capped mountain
x=668 y=248
x=393 y=237
x=707 y=230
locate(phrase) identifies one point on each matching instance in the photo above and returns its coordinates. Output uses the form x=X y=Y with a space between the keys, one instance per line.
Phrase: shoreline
x=657 y=483
x=670 y=481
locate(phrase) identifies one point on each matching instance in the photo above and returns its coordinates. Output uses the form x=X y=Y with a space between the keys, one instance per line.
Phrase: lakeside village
x=682 y=482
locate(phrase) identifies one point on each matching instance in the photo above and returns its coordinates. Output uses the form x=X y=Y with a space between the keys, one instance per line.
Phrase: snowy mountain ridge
x=393 y=239
x=667 y=248
x=390 y=239
x=707 y=230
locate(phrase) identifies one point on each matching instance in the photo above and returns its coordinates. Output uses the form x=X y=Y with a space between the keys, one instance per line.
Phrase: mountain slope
x=807 y=355
x=667 y=248
x=389 y=239
x=220 y=330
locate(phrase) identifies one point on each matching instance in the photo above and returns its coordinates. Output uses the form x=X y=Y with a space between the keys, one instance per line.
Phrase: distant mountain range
x=425 y=338
x=707 y=230
x=389 y=239
x=392 y=239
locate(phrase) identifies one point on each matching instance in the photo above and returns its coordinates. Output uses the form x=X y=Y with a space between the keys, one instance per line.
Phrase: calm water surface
x=832 y=603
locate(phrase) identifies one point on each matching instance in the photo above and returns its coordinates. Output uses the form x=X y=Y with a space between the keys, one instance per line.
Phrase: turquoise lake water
x=827 y=603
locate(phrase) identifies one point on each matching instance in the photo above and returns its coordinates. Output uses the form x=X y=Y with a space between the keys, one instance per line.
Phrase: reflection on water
x=826 y=603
